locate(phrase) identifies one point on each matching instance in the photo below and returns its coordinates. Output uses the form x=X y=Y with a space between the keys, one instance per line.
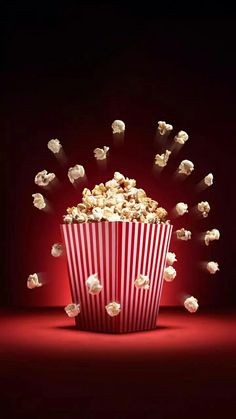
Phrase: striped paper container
x=118 y=252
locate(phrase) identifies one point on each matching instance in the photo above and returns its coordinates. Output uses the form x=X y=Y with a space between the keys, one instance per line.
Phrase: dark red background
x=68 y=73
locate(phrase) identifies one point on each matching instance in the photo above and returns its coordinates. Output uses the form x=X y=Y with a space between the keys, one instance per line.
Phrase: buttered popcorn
x=212 y=267
x=43 y=178
x=163 y=127
x=54 y=145
x=39 y=201
x=186 y=167
x=169 y=274
x=211 y=235
x=113 y=309
x=76 y=172
x=162 y=159
x=33 y=281
x=57 y=250
x=171 y=258
x=142 y=282
x=183 y=234
x=191 y=304
x=93 y=284
x=72 y=310
x=101 y=153
x=208 y=180
x=118 y=126
x=204 y=208
x=181 y=137
x=118 y=199
x=181 y=208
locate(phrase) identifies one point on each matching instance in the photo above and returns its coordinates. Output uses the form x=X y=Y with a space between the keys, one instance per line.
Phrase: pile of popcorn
x=117 y=200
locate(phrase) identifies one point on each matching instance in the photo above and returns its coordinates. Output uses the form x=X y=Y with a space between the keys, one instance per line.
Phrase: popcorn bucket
x=118 y=252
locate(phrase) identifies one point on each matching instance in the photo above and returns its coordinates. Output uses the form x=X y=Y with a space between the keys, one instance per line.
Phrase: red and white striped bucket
x=118 y=252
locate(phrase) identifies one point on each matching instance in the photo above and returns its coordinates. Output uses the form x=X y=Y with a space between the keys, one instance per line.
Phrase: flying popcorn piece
x=162 y=159
x=191 y=304
x=93 y=284
x=163 y=127
x=72 y=310
x=142 y=282
x=181 y=137
x=171 y=258
x=212 y=267
x=204 y=208
x=211 y=235
x=118 y=126
x=101 y=153
x=113 y=309
x=39 y=201
x=169 y=274
x=54 y=145
x=181 y=208
x=57 y=250
x=183 y=234
x=43 y=178
x=33 y=281
x=76 y=172
x=208 y=180
x=186 y=167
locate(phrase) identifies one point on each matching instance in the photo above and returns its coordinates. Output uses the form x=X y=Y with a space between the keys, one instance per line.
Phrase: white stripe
x=132 y=278
x=148 y=292
x=97 y=304
x=141 y=308
x=73 y=292
x=89 y=324
x=90 y=255
x=84 y=309
x=102 y=306
x=122 y=273
x=126 y=307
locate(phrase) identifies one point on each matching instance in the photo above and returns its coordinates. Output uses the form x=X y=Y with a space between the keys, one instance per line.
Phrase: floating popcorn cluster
x=212 y=267
x=163 y=127
x=76 y=172
x=117 y=200
x=181 y=208
x=33 y=281
x=162 y=159
x=101 y=153
x=43 y=178
x=191 y=304
x=72 y=310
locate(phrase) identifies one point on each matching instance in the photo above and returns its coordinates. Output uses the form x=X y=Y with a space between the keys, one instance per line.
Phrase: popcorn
x=56 y=250
x=93 y=284
x=183 y=234
x=118 y=126
x=162 y=159
x=208 y=180
x=118 y=199
x=212 y=267
x=54 y=145
x=72 y=310
x=181 y=208
x=142 y=282
x=101 y=153
x=113 y=309
x=75 y=172
x=163 y=127
x=186 y=167
x=171 y=258
x=39 y=201
x=43 y=178
x=191 y=304
x=181 y=137
x=169 y=274
x=211 y=235
x=204 y=208
x=33 y=281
